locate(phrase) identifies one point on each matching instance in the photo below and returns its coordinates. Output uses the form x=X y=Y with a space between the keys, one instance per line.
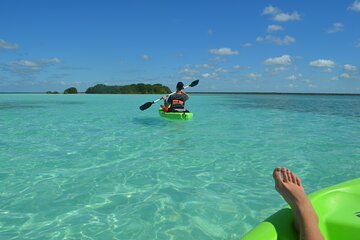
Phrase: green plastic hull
x=338 y=209
x=176 y=115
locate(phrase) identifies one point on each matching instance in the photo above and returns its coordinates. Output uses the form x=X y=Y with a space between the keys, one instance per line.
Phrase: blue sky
x=280 y=45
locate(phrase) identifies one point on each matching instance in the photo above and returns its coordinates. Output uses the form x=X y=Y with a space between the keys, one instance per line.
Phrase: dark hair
x=180 y=86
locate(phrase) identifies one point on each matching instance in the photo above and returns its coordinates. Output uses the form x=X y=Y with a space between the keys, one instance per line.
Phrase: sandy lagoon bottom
x=95 y=167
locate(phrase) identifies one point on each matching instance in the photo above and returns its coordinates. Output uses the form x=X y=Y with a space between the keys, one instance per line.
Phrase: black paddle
x=148 y=104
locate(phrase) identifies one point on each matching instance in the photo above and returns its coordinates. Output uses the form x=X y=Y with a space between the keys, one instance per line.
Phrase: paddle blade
x=194 y=83
x=145 y=106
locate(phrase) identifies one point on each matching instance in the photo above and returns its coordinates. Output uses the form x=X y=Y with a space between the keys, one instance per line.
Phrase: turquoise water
x=96 y=167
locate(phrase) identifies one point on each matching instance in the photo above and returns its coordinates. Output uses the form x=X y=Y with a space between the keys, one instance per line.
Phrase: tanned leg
x=290 y=188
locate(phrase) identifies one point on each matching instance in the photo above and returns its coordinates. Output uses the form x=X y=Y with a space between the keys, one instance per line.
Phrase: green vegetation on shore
x=139 y=88
x=71 y=90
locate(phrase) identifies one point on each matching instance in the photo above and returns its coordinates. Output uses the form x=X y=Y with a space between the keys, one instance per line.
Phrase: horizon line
x=269 y=93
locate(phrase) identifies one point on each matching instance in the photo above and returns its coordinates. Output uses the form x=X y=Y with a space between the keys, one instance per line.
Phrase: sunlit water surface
x=96 y=167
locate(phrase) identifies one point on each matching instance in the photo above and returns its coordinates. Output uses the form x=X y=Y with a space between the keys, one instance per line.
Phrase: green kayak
x=176 y=115
x=338 y=209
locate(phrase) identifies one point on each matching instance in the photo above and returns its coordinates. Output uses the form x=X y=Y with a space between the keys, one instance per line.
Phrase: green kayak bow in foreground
x=338 y=210
x=176 y=115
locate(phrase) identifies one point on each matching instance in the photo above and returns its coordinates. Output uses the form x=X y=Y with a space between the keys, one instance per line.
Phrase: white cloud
x=25 y=63
x=274 y=28
x=280 y=16
x=287 y=40
x=284 y=17
x=349 y=67
x=204 y=65
x=344 y=76
x=210 y=31
x=248 y=45
x=28 y=67
x=336 y=27
x=355 y=6
x=221 y=70
x=146 y=57
x=291 y=77
x=7 y=45
x=188 y=70
x=223 y=51
x=276 y=69
x=271 y=10
x=215 y=74
x=35 y=64
x=320 y=63
x=253 y=76
x=341 y=76
x=282 y=60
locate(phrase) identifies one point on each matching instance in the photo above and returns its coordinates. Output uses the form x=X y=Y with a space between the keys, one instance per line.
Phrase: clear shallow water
x=96 y=167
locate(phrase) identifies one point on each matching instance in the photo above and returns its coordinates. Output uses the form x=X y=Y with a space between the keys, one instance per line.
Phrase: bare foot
x=290 y=188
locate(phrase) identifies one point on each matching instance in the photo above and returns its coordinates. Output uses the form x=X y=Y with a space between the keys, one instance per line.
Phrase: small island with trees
x=71 y=90
x=139 y=88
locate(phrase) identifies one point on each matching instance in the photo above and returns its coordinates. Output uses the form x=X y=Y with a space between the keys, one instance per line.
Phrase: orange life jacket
x=177 y=101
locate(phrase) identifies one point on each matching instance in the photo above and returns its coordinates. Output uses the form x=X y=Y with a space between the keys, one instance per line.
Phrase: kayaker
x=176 y=102
x=290 y=188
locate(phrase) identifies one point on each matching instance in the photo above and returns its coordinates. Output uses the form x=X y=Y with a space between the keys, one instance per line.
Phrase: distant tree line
x=139 y=88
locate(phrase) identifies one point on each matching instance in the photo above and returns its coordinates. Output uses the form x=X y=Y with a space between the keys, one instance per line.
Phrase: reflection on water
x=148 y=121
